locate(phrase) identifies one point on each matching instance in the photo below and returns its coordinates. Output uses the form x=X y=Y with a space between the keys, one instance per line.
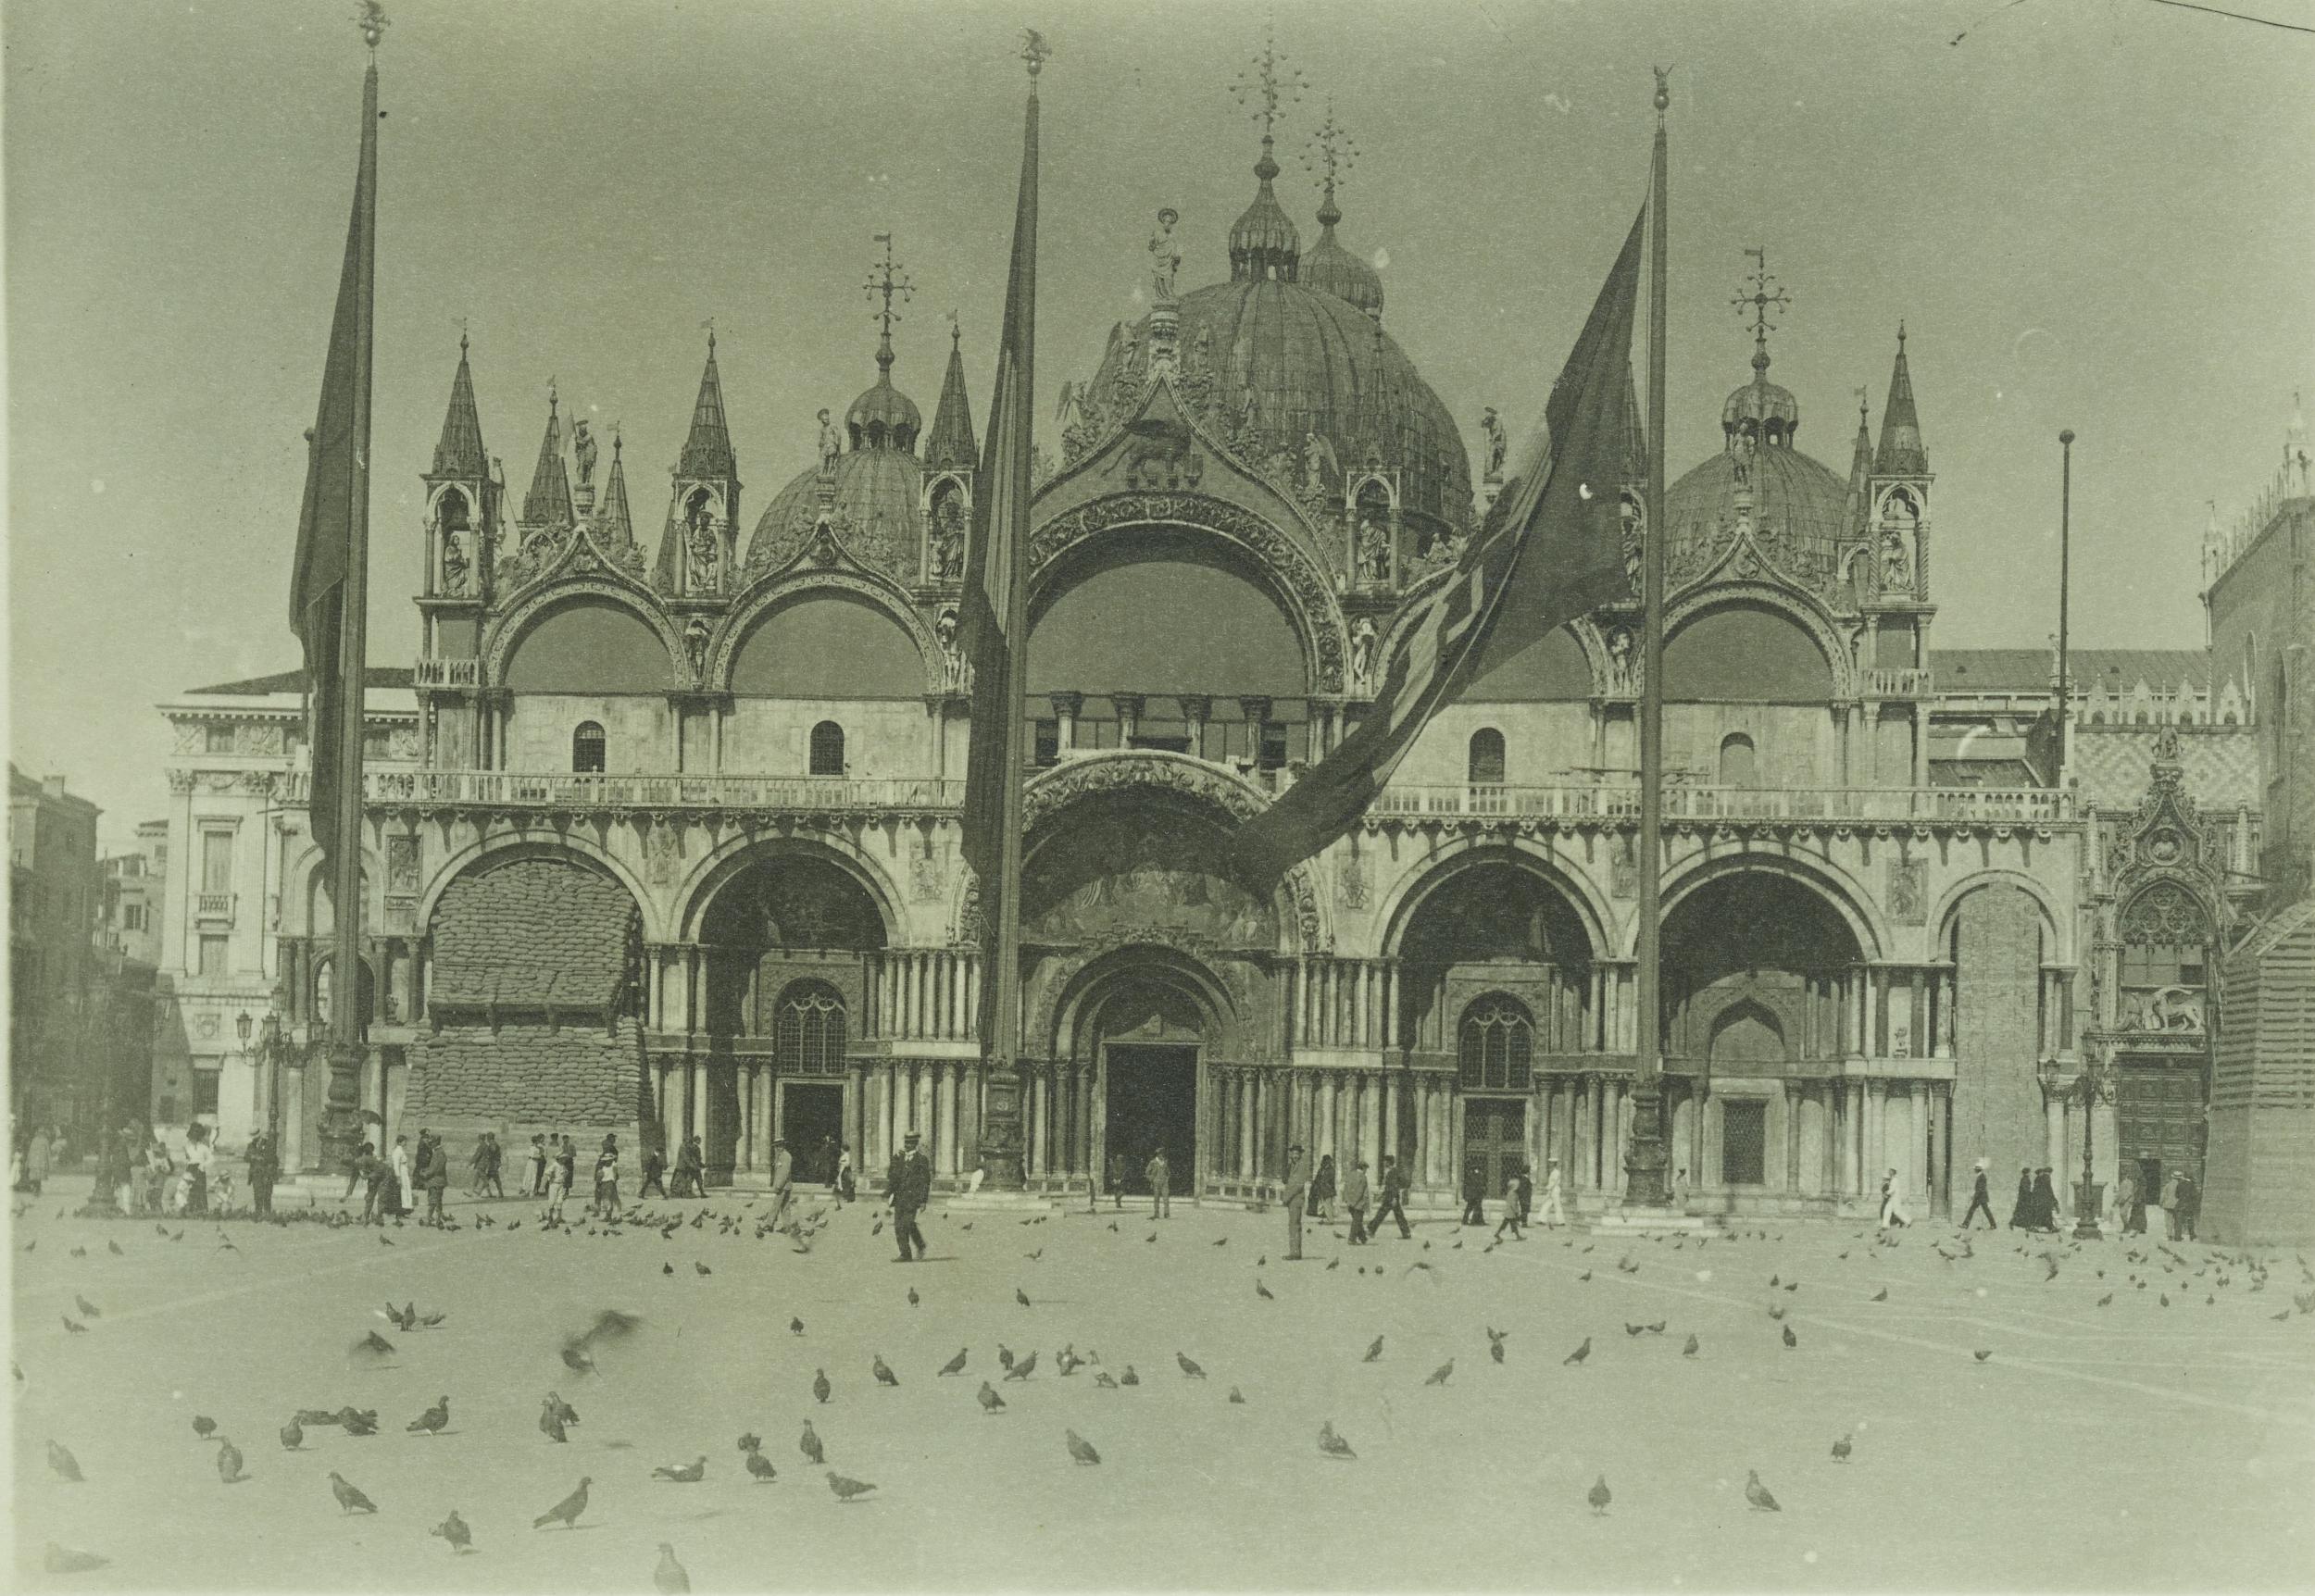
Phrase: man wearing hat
x=782 y=1180
x=1979 y=1200
x=908 y=1187
x=1297 y=1193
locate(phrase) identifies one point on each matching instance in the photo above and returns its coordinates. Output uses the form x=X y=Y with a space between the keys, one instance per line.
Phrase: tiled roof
x=294 y=681
x=2028 y=669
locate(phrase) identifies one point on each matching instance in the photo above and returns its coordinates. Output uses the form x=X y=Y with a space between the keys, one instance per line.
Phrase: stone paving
x=2130 y=1445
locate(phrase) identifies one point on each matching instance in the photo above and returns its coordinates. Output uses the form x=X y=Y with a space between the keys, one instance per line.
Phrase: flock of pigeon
x=578 y=1351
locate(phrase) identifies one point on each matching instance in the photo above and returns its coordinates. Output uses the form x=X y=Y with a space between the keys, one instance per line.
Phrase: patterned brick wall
x=2260 y=1166
x=2115 y=765
x=1997 y=1112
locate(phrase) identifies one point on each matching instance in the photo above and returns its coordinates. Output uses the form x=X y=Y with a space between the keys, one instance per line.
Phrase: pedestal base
x=2087 y=1195
x=987 y=1202
x=1655 y=1222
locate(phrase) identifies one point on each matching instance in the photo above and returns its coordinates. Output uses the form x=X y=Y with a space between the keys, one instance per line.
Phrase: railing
x=565 y=790
x=213 y=905
x=1901 y=682
x=1623 y=803
x=429 y=672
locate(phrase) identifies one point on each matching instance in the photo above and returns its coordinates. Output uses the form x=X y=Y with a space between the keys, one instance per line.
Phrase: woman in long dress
x=2021 y=1211
x=1893 y=1202
x=400 y=1166
x=2044 y=1202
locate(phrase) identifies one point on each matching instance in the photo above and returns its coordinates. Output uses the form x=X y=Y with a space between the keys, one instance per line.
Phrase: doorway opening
x=1151 y=1102
x=1494 y=1140
x=811 y=1121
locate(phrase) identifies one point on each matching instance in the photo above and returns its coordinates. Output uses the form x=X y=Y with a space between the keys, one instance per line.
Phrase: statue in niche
x=1896 y=565
x=1620 y=672
x=948 y=537
x=455 y=564
x=1363 y=642
x=1165 y=256
x=1374 y=547
x=583 y=450
x=945 y=629
x=1497 y=443
x=831 y=442
x=700 y=546
x=696 y=646
x=1318 y=464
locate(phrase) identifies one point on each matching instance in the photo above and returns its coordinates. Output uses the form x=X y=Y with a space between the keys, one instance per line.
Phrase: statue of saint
x=1374 y=551
x=454 y=564
x=1896 y=568
x=1362 y=641
x=949 y=538
x=1318 y=463
x=1491 y=425
x=1619 y=659
x=702 y=549
x=831 y=442
x=583 y=450
x=1165 y=256
x=695 y=644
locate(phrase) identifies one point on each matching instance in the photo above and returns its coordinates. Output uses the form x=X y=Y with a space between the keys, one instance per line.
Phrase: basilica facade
x=678 y=853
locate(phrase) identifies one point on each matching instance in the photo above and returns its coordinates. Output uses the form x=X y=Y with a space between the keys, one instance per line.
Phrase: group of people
x=390 y=1185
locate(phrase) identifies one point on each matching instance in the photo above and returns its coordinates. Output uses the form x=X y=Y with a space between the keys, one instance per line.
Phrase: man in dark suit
x=1979 y=1200
x=908 y=1185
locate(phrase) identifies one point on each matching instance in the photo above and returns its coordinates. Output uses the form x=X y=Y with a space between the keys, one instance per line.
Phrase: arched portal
x=1763 y=954
x=785 y=950
x=1501 y=928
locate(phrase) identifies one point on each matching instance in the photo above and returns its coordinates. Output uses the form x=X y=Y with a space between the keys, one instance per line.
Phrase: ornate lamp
x=2094 y=1084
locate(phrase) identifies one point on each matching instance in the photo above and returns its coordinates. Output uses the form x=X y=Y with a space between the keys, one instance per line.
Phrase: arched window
x=808 y=1029
x=1498 y=1044
x=1486 y=761
x=586 y=749
x=2097 y=718
x=828 y=749
x=1737 y=769
x=452 y=511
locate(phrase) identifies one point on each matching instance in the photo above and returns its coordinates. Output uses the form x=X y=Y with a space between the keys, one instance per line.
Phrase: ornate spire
x=889 y=280
x=549 y=501
x=1264 y=242
x=1900 y=454
x=1329 y=265
x=1760 y=411
x=461 y=452
x=1762 y=303
x=707 y=449
x=950 y=442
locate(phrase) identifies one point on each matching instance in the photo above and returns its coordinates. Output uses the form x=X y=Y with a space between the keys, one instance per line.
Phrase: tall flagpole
x=341 y=1127
x=1644 y=1160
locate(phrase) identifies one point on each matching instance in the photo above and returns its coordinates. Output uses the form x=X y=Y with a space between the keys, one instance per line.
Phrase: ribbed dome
x=1760 y=409
x=1334 y=269
x=1314 y=362
x=1799 y=507
x=884 y=417
x=874 y=508
x=1263 y=241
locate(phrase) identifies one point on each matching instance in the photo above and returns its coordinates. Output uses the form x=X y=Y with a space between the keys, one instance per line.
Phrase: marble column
x=1792 y=1137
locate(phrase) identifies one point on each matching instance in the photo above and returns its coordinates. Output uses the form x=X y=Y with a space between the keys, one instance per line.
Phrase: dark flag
x=2045 y=747
x=995 y=598
x=1551 y=549
x=333 y=530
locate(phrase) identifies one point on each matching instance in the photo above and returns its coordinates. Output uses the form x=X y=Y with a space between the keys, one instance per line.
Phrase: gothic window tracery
x=808 y=1029
x=1499 y=1045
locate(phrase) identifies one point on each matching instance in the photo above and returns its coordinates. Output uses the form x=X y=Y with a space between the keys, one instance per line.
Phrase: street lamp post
x=2088 y=1194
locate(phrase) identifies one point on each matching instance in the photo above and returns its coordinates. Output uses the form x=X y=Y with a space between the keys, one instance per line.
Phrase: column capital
x=1255 y=707
x=1129 y=704
x=1067 y=706
x=1197 y=706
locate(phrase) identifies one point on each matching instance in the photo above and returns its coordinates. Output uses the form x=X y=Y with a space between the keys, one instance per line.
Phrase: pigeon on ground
x=434 y=1420
x=1586 y=1276
x=1331 y=1444
x=989 y=1401
x=795 y=1326
x=609 y=1328
x=566 y=1512
x=1189 y=1367
x=1101 y=1378
x=1128 y=1378
x=66 y=1560
x=955 y=1366
x=374 y=1343
x=1004 y=1355
x=1654 y=1330
x=2107 y=1300
x=670 y=1575
x=1263 y=1291
x=1881 y=1295
x=1689 y=1350
x=1080 y=1448
x=1579 y=1353
x=1631 y=1330
x=882 y=1371
x=60 y=1458
x=350 y=1498
x=809 y=1444
x=359 y=1421
x=1236 y=1397
x=453 y=1529
x=1981 y=1356
x=1791 y=1340
x=913 y=1298
x=1440 y=1375
x=204 y=1426
x=1021 y=1296
x=1373 y=1351
x=88 y=1309
x=820 y=1388
x=760 y=1466
x=846 y=1490
x=1599 y=1495
x=1842 y=1448
x=1776 y=1310
x=689 y=1473
x=751 y=1442
x=1023 y=1369
x=1757 y=1493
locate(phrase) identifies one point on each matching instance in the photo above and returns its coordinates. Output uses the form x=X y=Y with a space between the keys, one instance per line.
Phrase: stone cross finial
x=1762 y=304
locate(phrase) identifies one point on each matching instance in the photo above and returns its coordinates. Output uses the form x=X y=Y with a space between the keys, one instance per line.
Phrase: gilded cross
x=888 y=281
x=1763 y=301
x=1269 y=83
x=1331 y=154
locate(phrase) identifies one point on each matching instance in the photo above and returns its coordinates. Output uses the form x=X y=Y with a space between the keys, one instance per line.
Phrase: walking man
x=1354 y=1201
x=1297 y=1194
x=1116 y=1180
x=606 y=1178
x=1980 y=1202
x=1394 y=1198
x=1474 y=1194
x=2189 y=1206
x=691 y=1168
x=1160 y=1185
x=534 y=1167
x=1513 y=1217
x=1893 y=1202
x=653 y=1171
x=1554 y=1216
x=783 y=1177
x=264 y=1169
x=562 y=1171
x=908 y=1185
x=437 y=1174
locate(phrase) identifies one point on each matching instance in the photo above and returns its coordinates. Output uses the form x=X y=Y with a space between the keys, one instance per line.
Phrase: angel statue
x=1497 y=443
x=582 y=450
x=1318 y=464
x=1165 y=256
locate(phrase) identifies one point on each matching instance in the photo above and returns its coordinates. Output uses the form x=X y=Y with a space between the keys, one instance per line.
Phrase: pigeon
x=66 y=1560
x=1631 y=1330
x=1981 y=1356
x=1586 y=1276
x=551 y=1422
x=809 y=1444
x=610 y=1327
x=751 y=1442
x=566 y=1512
x=847 y=1489
x=1331 y=1444
x=882 y=1371
x=689 y=1473
x=350 y=1498
x=1757 y=1493
x=795 y=1326
x=1689 y=1350
x=1373 y=1351
x=1080 y=1449
x=1791 y=1340
x=955 y=1366
x=1579 y=1353
x=2107 y=1300
x=434 y=1420
x=292 y=1436
x=1495 y=1351
x=989 y=1401
x=1263 y=1291
x=453 y=1529
x=1439 y=1375
x=760 y=1466
x=1776 y=1310
x=1023 y=1369
x=359 y=1421
x=1881 y=1295
x=60 y=1458
x=1189 y=1367
x=1654 y=1330
x=1599 y=1495
x=375 y=1343
x=1021 y=1296
x=88 y=1309
x=820 y=1388
x=1236 y=1397
x=670 y=1575
x=667 y=1268
x=1222 y=1241
x=204 y=1426
x=1004 y=1355
x=1128 y=1378
x=913 y=1298
x=1842 y=1448
x=1101 y=1378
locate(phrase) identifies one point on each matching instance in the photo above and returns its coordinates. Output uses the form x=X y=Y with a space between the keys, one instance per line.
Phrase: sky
x=2094 y=215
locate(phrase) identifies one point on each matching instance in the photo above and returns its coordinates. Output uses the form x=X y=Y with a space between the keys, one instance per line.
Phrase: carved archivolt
x=1305 y=587
x=509 y=627
x=769 y=592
